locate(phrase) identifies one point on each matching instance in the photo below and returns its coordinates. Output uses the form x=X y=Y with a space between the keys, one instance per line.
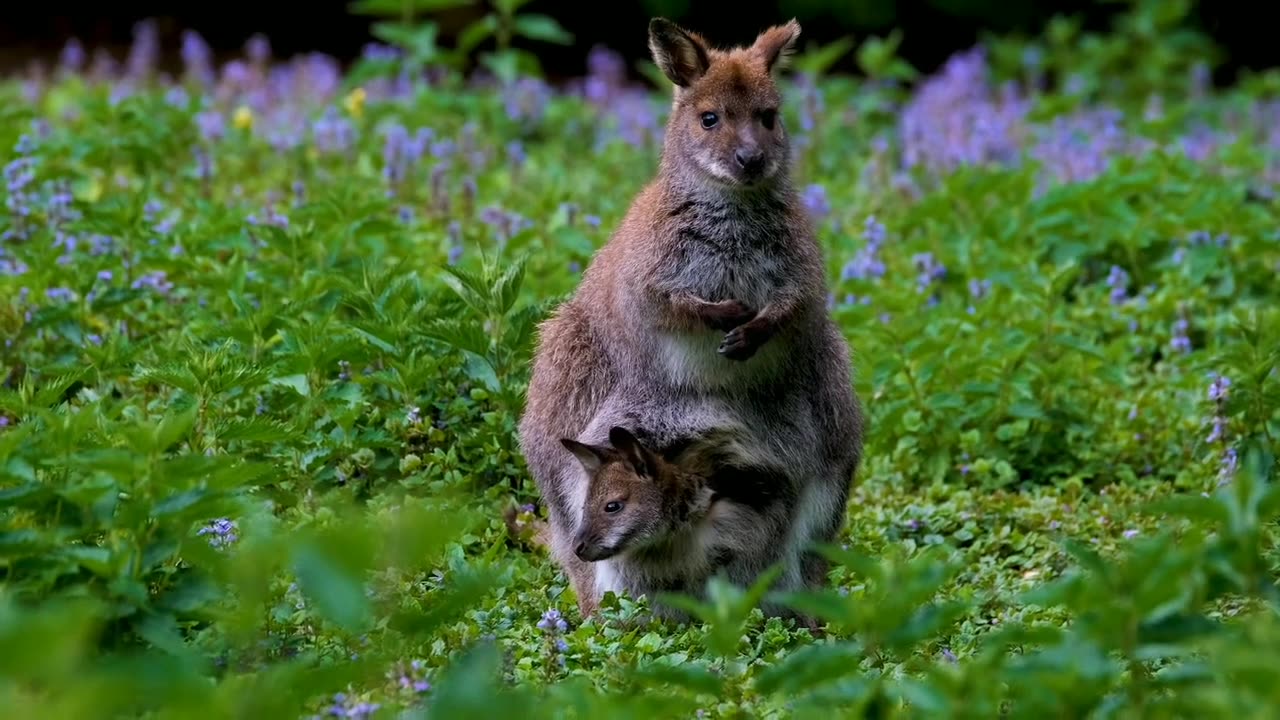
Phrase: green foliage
x=257 y=419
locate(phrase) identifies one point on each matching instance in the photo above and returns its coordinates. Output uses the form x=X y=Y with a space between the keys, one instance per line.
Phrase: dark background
x=933 y=29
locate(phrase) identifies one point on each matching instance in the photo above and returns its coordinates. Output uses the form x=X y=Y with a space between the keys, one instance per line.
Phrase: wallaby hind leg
x=581 y=575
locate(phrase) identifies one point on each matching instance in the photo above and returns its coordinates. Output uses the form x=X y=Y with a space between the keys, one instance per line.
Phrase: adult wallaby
x=712 y=288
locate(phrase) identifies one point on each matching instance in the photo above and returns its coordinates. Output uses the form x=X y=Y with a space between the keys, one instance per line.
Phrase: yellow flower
x=355 y=102
x=243 y=118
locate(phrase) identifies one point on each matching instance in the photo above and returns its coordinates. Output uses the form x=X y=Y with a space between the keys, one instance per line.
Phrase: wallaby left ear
x=776 y=45
x=632 y=449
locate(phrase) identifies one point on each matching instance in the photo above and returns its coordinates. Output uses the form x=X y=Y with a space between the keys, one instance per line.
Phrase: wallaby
x=663 y=525
x=712 y=287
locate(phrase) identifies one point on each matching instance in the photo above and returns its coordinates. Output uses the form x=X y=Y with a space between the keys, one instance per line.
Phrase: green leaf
x=336 y=591
x=809 y=667
x=175 y=425
x=481 y=370
x=396 y=8
x=98 y=560
x=816 y=62
x=826 y=605
x=508 y=287
x=695 y=677
x=1192 y=507
x=542 y=27
x=297 y=382
x=476 y=33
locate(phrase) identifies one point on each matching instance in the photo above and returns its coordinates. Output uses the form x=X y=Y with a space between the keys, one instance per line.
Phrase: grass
x=266 y=343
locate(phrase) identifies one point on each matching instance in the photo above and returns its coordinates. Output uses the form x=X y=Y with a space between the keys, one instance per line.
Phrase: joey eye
x=612 y=506
x=768 y=118
x=709 y=120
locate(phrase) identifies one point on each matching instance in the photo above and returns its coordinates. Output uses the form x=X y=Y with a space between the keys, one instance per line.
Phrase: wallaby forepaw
x=727 y=314
x=738 y=344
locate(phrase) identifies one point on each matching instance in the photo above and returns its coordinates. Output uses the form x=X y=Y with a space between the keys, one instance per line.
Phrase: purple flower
x=154 y=280
x=332 y=133
x=223 y=532
x=60 y=294
x=1130 y=534
x=552 y=622
x=525 y=100
x=516 y=153
x=212 y=125
x=72 y=57
x=258 y=49
x=415 y=415
x=197 y=58
x=1118 y=281
x=1218 y=388
x=815 y=201
x=930 y=271
x=1230 y=463
x=1180 y=341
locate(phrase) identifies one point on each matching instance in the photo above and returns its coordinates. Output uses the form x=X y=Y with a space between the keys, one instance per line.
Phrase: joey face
x=725 y=120
x=624 y=501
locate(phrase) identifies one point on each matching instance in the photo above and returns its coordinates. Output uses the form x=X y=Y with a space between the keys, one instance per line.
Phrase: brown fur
x=669 y=525
x=710 y=294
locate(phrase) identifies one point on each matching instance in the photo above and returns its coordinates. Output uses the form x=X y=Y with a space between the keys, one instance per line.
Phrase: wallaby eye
x=709 y=120
x=612 y=506
x=768 y=117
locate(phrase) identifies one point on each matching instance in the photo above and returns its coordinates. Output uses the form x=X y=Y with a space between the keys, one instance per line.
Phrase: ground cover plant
x=266 y=329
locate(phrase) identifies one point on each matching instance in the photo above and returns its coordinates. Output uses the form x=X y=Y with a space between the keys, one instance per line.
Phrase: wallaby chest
x=720 y=252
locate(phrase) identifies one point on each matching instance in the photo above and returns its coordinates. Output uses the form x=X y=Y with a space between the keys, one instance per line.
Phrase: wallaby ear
x=681 y=55
x=776 y=45
x=640 y=458
x=590 y=456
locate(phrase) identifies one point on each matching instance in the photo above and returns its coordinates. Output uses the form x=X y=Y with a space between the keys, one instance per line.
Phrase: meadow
x=267 y=327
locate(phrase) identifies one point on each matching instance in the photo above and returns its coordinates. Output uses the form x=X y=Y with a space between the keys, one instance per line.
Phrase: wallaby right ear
x=680 y=54
x=641 y=458
x=590 y=456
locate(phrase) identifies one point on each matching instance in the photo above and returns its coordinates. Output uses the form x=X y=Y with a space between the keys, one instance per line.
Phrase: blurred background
x=931 y=29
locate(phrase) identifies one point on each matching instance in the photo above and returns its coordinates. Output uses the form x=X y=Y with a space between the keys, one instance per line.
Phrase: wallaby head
x=725 y=122
x=625 y=504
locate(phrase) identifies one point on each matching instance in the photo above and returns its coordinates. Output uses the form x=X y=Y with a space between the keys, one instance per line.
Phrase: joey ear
x=639 y=456
x=681 y=55
x=590 y=456
x=776 y=45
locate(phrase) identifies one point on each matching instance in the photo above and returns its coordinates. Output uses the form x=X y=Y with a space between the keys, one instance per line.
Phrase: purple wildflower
x=1180 y=341
x=332 y=133
x=525 y=100
x=552 y=622
x=223 y=532
x=258 y=49
x=212 y=125
x=1118 y=281
x=414 y=415
x=455 y=242
x=155 y=280
x=867 y=264
x=815 y=201
x=930 y=272
x=72 y=57
x=197 y=58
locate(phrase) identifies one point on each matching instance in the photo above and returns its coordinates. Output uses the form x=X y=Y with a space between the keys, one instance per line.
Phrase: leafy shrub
x=266 y=337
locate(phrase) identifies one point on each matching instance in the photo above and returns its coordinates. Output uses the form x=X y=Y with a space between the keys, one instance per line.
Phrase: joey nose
x=750 y=160
x=581 y=551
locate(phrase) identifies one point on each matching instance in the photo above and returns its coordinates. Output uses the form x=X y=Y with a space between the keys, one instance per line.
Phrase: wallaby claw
x=738 y=344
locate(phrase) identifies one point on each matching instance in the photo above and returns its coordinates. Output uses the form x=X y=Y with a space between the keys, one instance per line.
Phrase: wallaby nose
x=581 y=551
x=749 y=160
